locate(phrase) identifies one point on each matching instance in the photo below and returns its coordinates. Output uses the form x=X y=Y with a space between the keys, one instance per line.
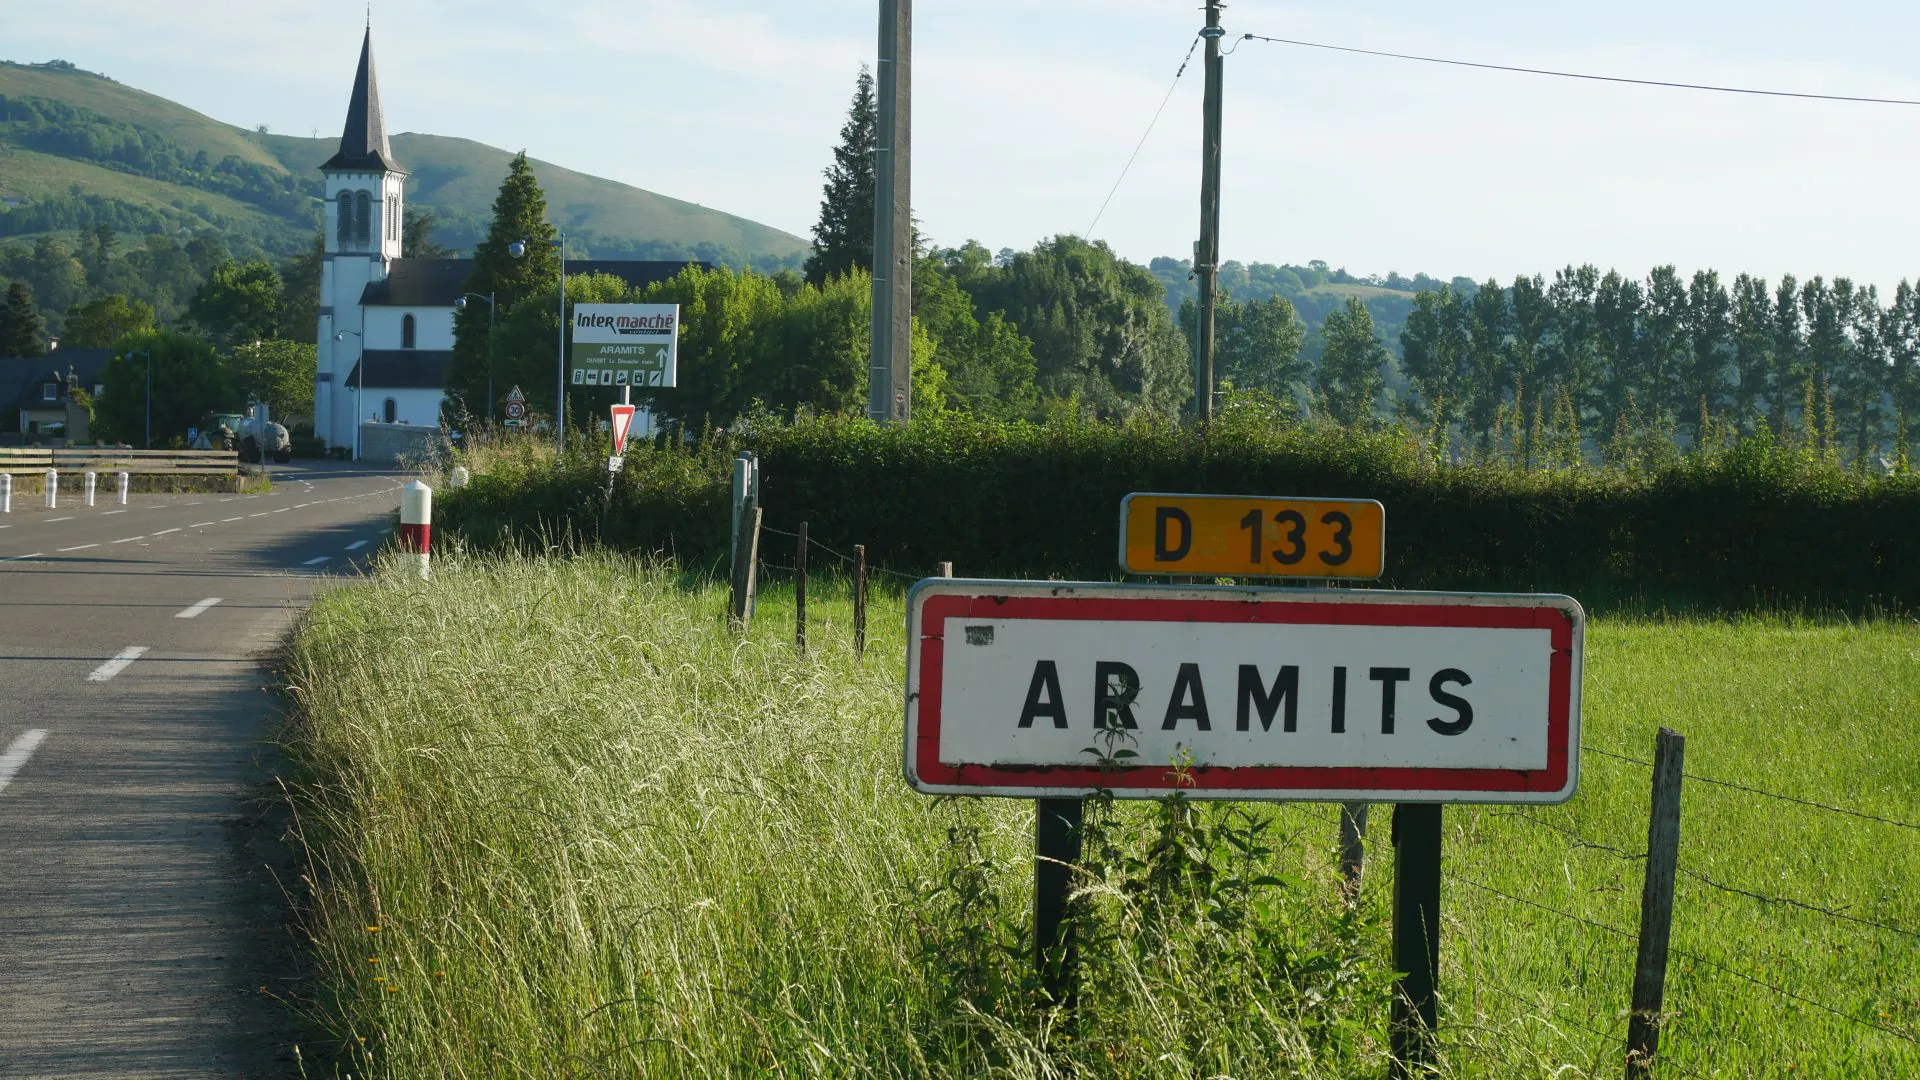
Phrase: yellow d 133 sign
x=1249 y=536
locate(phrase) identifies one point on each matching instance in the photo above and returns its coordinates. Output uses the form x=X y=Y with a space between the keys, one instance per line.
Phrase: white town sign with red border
x=1050 y=689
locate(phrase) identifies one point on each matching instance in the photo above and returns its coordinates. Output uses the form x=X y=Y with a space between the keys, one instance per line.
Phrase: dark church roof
x=22 y=377
x=439 y=282
x=402 y=369
x=363 y=145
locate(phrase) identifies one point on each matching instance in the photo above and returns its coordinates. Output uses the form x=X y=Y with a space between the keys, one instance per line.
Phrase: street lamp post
x=359 y=392
x=460 y=304
x=518 y=249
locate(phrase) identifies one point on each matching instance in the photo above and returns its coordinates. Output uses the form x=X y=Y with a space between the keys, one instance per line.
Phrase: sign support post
x=1056 y=851
x=1416 y=937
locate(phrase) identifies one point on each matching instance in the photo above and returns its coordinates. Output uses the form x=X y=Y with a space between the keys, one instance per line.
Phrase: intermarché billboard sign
x=624 y=345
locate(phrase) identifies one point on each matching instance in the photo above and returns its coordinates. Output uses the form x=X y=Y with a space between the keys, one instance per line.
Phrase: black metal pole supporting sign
x=1417 y=699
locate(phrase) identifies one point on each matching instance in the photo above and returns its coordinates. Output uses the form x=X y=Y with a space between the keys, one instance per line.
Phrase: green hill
x=78 y=149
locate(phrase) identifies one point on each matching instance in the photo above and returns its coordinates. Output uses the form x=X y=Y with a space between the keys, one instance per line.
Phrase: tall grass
x=563 y=823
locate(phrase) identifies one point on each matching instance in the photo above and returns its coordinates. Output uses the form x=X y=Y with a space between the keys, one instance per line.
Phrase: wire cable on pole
x=1751 y=91
x=1143 y=136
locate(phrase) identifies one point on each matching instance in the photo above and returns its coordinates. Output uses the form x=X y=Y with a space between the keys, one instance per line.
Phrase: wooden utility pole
x=1656 y=905
x=891 y=356
x=1206 y=261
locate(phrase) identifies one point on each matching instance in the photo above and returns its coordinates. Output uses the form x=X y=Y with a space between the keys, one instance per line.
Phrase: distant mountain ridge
x=78 y=149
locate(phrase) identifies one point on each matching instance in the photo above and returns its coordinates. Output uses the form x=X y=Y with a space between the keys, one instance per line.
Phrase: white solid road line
x=79 y=547
x=356 y=545
x=118 y=664
x=316 y=561
x=17 y=754
x=198 y=608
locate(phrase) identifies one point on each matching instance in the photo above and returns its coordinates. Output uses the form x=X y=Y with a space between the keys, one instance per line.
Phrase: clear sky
x=1025 y=112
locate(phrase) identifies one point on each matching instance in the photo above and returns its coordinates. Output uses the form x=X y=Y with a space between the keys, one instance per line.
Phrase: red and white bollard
x=125 y=479
x=93 y=482
x=53 y=489
x=416 y=523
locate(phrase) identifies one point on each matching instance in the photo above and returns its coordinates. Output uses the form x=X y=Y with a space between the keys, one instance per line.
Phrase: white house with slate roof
x=385 y=319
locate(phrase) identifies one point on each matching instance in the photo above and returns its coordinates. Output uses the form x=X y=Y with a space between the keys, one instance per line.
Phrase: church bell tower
x=362 y=232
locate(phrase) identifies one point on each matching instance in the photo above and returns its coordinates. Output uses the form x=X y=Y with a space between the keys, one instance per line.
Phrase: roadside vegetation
x=561 y=821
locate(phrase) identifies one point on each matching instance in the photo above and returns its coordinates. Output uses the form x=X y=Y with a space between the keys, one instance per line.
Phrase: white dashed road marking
x=79 y=547
x=17 y=558
x=199 y=524
x=316 y=561
x=164 y=532
x=356 y=545
x=225 y=520
x=198 y=608
x=129 y=539
x=69 y=517
x=17 y=754
x=110 y=513
x=118 y=664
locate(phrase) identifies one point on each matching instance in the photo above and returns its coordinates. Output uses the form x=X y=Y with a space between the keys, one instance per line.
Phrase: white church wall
x=432 y=327
x=411 y=406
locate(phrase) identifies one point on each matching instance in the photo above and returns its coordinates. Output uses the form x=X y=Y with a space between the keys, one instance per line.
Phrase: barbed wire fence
x=1664 y=1062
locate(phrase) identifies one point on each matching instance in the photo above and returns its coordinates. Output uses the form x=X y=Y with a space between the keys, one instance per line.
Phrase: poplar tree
x=20 y=324
x=843 y=238
x=1352 y=369
x=519 y=214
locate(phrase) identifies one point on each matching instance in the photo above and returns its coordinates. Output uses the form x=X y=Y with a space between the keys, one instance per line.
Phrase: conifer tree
x=843 y=238
x=519 y=214
x=20 y=324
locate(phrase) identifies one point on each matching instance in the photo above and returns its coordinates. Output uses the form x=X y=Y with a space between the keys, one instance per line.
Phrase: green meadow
x=562 y=822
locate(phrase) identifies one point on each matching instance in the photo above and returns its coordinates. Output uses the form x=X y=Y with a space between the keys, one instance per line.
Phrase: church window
x=346 y=216
x=363 y=216
x=389 y=411
x=406 y=331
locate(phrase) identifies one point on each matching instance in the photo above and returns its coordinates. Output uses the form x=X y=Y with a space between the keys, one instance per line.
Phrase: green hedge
x=1752 y=527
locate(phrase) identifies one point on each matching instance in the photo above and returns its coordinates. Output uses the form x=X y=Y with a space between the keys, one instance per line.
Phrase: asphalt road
x=134 y=933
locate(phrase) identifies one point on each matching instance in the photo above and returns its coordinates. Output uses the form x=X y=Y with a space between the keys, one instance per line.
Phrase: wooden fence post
x=800 y=589
x=1656 y=905
x=859 y=600
x=1056 y=851
x=746 y=556
x=1416 y=937
x=944 y=569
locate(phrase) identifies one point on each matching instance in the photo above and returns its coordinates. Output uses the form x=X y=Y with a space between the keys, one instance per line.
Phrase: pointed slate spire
x=363 y=144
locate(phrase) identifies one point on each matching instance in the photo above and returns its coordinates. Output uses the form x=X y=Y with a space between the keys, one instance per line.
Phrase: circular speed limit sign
x=516 y=410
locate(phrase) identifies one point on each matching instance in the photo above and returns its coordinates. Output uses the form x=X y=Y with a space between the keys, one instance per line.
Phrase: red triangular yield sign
x=622 y=420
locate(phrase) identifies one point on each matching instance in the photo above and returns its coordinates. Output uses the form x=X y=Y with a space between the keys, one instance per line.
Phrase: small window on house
x=50 y=391
x=406 y=331
x=362 y=216
x=389 y=411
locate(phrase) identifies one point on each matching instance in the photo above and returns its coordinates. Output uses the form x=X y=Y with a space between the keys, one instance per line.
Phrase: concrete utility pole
x=1207 y=259
x=889 y=365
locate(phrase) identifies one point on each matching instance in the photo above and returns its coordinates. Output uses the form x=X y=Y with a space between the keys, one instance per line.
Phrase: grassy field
x=563 y=823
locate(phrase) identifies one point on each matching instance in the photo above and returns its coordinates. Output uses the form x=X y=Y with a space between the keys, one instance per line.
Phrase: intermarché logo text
x=624 y=323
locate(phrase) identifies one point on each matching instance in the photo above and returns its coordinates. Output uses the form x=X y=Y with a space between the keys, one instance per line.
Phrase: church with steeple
x=385 y=332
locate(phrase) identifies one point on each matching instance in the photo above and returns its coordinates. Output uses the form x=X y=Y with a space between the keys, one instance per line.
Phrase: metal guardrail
x=107 y=459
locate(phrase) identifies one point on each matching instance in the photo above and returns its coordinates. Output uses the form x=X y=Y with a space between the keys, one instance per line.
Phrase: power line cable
x=1855 y=98
x=1143 y=136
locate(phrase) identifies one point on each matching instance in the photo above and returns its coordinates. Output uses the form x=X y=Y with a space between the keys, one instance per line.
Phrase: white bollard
x=125 y=480
x=53 y=489
x=459 y=478
x=6 y=493
x=93 y=482
x=416 y=523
